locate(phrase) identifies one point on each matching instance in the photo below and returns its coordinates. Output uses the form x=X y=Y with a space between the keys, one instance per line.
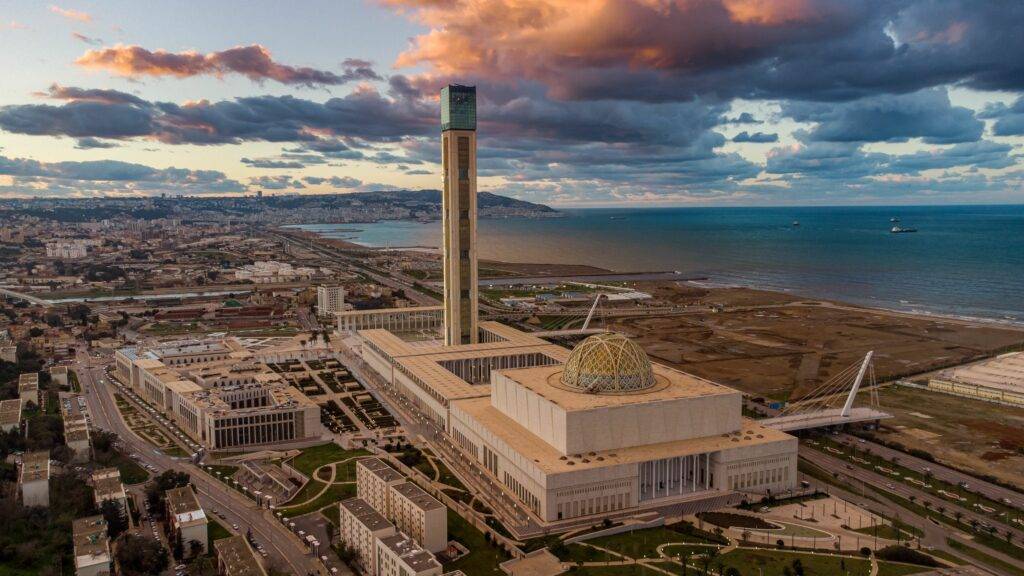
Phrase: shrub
x=897 y=553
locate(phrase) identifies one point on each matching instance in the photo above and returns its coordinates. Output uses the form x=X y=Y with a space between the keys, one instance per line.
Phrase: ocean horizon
x=962 y=260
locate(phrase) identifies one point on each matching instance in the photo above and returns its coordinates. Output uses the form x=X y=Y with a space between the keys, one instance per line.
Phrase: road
x=880 y=482
x=283 y=547
x=944 y=473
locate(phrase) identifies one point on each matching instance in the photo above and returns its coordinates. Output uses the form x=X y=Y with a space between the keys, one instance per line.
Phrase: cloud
x=671 y=50
x=111 y=176
x=927 y=114
x=86 y=39
x=743 y=118
x=272 y=163
x=254 y=62
x=334 y=181
x=275 y=183
x=71 y=14
x=1009 y=119
x=15 y=25
x=58 y=92
x=91 y=143
x=755 y=138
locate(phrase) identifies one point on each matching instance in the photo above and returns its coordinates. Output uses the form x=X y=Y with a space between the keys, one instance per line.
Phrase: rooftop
x=10 y=412
x=416 y=558
x=107 y=485
x=237 y=557
x=380 y=469
x=365 y=514
x=35 y=466
x=184 y=505
x=89 y=536
x=417 y=496
x=551 y=461
x=670 y=384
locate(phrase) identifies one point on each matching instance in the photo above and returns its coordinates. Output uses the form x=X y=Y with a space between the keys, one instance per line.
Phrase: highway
x=892 y=486
x=284 y=549
x=944 y=473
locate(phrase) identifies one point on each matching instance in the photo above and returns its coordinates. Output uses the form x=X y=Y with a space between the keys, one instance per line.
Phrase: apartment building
x=92 y=546
x=420 y=516
x=374 y=479
x=107 y=485
x=400 y=555
x=187 y=519
x=236 y=558
x=360 y=526
x=10 y=414
x=34 y=479
x=76 y=427
x=28 y=388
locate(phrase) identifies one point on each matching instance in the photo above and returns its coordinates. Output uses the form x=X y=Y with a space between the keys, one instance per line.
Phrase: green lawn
x=483 y=558
x=581 y=553
x=215 y=531
x=334 y=494
x=631 y=570
x=774 y=562
x=310 y=489
x=640 y=543
x=332 y=514
x=316 y=456
x=447 y=477
x=982 y=557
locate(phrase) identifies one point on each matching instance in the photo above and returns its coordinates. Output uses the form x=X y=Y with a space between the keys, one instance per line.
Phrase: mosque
x=591 y=432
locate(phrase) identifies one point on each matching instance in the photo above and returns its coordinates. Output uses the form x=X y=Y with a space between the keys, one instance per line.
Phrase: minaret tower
x=458 y=207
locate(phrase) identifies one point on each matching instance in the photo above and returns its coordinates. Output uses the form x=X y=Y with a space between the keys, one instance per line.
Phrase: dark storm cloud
x=756 y=137
x=1009 y=120
x=927 y=114
x=112 y=176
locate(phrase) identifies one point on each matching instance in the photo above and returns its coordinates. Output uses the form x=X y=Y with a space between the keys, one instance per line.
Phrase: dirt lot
x=978 y=436
x=782 y=346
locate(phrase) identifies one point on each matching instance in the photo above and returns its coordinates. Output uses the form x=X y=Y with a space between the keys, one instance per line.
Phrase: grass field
x=316 y=456
x=334 y=494
x=775 y=562
x=640 y=543
x=483 y=558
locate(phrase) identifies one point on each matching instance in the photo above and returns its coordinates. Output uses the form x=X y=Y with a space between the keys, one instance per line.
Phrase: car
x=235 y=526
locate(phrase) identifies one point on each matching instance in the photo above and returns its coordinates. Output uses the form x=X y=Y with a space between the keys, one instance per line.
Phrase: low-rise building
x=187 y=519
x=374 y=479
x=28 y=388
x=420 y=515
x=360 y=526
x=107 y=485
x=393 y=319
x=10 y=414
x=59 y=375
x=399 y=555
x=34 y=479
x=92 y=546
x=236 y=558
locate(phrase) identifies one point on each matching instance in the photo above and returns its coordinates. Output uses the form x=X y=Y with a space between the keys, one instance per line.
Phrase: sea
x=965 y=261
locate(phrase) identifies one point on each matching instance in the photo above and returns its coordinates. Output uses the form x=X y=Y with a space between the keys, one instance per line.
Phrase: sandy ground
x=782 y=346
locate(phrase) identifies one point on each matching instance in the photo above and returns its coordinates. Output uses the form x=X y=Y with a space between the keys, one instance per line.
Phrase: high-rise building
x=330 y=299
x=458 y=159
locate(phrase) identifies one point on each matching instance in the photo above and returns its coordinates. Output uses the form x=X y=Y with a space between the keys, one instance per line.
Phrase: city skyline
x=611 y=103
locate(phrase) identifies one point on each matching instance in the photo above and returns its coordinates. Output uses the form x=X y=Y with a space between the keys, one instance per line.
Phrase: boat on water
x=796 y=223
x=898 y=230
x=894 y=219
x=616 y=217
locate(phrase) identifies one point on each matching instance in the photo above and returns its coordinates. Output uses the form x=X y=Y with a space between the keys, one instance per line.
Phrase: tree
x=158 y=486
x=798 y=567
x=141 y=556
x=958 y=515
x=114 y=516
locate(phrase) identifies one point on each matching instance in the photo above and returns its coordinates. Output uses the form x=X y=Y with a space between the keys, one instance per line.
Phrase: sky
x=580 y=102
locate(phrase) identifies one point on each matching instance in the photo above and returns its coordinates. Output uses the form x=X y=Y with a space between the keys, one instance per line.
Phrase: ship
x=796 y=223
x=894 y=219
x=898 y=230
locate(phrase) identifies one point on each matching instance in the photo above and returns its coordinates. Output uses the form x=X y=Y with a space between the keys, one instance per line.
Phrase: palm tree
x=958 y=515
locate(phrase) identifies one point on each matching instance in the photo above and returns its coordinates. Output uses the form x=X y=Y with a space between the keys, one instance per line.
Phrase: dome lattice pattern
x=608 y=364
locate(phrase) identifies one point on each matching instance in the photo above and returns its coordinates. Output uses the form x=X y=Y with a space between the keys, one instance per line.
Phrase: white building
x=420 y=515
x=409 y=319
x=330 y=299
x=587 y=434
x=236 y=558
x=76 y=427
x=107 y=485
x=187 y=519
x=34 y=479
x=69 y=250
x=360 y=526
x=399 y=555
x=374 y=480
x=92 y=546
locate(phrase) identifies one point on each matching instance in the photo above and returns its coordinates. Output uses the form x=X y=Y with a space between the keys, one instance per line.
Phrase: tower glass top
x=458 y=107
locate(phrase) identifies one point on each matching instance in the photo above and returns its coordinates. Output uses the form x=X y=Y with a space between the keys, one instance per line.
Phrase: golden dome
x=608 y=364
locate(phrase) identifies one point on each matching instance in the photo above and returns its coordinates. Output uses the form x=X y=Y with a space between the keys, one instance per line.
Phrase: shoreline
x=916 y=309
